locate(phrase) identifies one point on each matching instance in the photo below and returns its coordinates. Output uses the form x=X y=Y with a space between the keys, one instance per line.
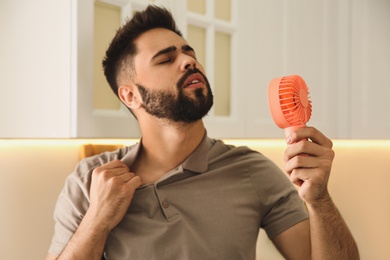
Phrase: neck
x=165 y=146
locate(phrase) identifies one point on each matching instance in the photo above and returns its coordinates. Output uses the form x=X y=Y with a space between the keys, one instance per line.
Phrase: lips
x=194 y=81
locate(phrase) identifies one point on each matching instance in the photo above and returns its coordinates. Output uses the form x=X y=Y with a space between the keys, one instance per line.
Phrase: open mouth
x=194 y=81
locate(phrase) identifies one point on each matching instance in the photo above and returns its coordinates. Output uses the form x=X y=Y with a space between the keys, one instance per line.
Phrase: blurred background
x=54 y=98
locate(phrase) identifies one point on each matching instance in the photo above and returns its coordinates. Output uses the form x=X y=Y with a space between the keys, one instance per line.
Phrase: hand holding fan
x=288 y=100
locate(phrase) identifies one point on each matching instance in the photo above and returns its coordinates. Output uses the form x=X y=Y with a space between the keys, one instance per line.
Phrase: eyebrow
x=172 y=49
x=187 y=48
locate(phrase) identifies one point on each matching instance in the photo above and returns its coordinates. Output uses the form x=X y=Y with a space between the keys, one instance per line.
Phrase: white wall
x=33 y=172
x=341 y=48
x=34 y=68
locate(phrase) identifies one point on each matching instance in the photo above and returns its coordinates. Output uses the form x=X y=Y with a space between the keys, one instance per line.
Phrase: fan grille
x=294 y=100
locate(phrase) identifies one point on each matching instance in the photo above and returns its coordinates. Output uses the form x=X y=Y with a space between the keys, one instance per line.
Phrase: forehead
x=157 y=39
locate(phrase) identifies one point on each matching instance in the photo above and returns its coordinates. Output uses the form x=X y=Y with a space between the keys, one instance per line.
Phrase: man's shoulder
x=85 y=167
x=225 y=150
x=244 y=157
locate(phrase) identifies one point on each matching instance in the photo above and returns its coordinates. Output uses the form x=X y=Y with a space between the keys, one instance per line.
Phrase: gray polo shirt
x=209 y=207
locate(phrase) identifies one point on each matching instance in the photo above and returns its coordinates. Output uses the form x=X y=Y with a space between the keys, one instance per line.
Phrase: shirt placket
x=165 y=202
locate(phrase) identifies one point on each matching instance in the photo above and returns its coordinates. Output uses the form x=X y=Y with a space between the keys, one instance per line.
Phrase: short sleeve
x=71 y=206
x=280 y=203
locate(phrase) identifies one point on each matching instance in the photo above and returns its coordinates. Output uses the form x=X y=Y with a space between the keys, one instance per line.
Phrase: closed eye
x=165 y=61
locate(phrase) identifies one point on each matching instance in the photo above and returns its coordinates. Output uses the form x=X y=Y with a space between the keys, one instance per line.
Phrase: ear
x=129 y=96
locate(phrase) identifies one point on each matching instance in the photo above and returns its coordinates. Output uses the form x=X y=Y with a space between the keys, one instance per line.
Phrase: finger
x=320 y=158
x=312 y=134
x=131 y=185
x=126 y=182
x=296 y=178
x=124 y=176
x=134 y=182
x=303 y=147
x=313 y=176
x=115 y=164
x=300 y=161
x=111 y=168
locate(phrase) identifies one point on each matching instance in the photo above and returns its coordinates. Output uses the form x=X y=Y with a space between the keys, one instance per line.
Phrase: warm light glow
x=237 y=142
x=63 y=142
x=361 y=143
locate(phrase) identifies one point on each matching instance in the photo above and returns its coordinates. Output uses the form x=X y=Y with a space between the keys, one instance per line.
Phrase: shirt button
x=165 y=204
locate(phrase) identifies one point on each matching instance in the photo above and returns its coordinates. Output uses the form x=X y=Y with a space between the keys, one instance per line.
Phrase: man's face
x=171 y=82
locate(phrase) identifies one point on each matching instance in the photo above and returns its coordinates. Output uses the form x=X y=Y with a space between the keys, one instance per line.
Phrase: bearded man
x=179 y=194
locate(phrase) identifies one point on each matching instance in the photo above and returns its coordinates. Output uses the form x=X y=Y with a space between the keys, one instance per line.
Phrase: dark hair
x=121 y=49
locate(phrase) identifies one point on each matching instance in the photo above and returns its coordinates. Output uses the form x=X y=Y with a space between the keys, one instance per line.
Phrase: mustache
x=188 y=73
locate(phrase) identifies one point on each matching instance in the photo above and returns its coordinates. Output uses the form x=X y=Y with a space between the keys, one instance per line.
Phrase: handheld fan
x=288 y=100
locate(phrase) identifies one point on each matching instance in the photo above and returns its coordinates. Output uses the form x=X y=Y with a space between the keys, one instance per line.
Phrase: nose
x=187 y=63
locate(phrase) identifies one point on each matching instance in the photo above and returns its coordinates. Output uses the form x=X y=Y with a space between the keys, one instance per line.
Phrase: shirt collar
x=196 y=162
x=131 y=154
x=198 y=159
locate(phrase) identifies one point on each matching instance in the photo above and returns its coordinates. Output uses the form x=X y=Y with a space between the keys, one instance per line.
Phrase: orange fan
x=288 y=100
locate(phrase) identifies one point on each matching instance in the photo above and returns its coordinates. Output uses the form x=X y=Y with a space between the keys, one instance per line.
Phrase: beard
x=180 y=108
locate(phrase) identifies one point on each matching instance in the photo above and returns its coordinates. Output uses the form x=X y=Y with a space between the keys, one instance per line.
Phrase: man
x=179 y=194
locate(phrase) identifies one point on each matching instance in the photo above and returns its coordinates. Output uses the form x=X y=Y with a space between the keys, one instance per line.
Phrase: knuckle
x=312 y=130
x=286 y=156
x=136 y=181
x=304 y=144
x=106 y=175
x=330 y=154
x=327 y=164
x=287 y=168
x=97 y=170
x=111 y=182
x=299 y=160
x=98 y=173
